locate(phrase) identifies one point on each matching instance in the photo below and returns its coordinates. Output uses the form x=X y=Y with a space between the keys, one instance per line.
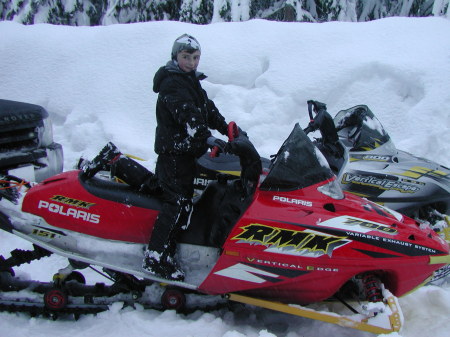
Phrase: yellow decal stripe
x=411 y=174
x=439 y=173
x=233 y=173
x=420 y=169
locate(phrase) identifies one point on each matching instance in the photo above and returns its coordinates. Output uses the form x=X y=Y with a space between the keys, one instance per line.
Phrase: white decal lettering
x=69 y=212
x=292 y=201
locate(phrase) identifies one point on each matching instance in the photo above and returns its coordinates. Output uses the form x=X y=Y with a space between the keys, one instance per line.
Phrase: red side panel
x=63 y=202
x=299 y=249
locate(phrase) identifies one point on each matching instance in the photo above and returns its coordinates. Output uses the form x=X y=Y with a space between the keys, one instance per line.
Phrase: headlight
x=46 y=133
x=332 y=189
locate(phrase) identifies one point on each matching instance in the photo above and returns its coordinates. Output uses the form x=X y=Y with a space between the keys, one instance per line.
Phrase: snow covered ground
x=96 y=82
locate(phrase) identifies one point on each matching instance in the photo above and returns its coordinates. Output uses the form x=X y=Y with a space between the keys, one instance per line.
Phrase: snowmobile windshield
x=360 y=127
x=298 y=164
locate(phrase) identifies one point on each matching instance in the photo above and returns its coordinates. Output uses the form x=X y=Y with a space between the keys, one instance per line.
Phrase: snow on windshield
x=321 y=158
x=374 y=124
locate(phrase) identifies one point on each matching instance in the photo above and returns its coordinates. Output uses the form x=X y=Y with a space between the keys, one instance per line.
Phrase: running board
x=136 y=271
x=384 y=322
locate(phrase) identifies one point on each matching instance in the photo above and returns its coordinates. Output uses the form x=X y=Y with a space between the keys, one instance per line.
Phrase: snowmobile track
x=72 y=297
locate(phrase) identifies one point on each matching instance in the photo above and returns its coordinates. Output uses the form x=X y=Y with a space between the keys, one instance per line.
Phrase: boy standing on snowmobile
x=329 y=144
x=184 y=114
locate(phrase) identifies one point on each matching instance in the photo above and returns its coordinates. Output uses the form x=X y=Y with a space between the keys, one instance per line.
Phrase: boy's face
x=188 y=61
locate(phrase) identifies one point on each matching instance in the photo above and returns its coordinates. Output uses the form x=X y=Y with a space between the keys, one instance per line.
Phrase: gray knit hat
x=184 y=42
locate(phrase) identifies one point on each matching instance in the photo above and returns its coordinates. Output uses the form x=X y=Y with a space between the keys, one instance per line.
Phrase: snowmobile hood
x=12 y=112
x=164 y=72
x=376 y=169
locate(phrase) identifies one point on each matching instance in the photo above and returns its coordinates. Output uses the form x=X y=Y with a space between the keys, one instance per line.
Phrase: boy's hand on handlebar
x=309 y=128
x=221 y=144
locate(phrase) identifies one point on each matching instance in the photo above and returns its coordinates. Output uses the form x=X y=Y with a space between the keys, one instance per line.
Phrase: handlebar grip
x=233 y=131
x=214 y=152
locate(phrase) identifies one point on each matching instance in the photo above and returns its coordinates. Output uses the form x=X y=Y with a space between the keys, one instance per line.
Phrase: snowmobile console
x=215 y=213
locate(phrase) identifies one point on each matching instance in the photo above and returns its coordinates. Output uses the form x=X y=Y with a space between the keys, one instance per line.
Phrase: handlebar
x=310 y=110
x=233 y=132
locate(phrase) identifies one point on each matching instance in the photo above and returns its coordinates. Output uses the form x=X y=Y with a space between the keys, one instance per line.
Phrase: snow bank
x=96 y=83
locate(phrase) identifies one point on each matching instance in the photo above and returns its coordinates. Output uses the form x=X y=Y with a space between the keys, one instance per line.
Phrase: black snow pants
x=176 y=175
x=135 y=175
x=173 y=182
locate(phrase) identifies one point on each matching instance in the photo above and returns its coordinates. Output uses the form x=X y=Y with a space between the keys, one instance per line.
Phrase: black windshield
x=360 y=127
x=297 y=165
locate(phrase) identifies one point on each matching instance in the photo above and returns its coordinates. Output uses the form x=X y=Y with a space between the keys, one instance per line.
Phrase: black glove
x=221 y=144
x=242 y=132
x=309 y=128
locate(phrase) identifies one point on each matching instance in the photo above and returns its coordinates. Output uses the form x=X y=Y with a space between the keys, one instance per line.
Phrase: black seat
x=118 y=192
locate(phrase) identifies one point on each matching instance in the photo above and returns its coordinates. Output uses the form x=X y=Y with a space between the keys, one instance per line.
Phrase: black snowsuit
x=324 y=122
x=329 y=145
x=184 y=114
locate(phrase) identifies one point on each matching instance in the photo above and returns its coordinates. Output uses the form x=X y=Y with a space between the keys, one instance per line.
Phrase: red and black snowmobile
x=290 y=239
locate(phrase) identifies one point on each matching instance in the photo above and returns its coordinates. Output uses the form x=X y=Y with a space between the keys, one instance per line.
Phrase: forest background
x=106 y=12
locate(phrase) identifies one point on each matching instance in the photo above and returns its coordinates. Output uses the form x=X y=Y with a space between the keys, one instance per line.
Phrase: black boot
x=103 y=160
x=161 y=265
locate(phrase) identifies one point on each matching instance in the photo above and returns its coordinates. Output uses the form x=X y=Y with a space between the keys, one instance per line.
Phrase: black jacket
x=184 y=113
x=324 y=122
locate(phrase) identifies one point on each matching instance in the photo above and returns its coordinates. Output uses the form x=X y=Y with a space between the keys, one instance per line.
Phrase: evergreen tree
x=195 y=11
x=222 y=10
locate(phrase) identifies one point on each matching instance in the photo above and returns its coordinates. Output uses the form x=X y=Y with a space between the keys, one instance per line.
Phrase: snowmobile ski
x=388 y=319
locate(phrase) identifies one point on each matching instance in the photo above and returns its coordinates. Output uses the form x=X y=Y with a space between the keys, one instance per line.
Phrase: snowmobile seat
x=215 y=214
x=117 y=192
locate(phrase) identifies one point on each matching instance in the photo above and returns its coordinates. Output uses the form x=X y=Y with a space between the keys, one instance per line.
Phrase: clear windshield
x=297 y=165
x=359 y=127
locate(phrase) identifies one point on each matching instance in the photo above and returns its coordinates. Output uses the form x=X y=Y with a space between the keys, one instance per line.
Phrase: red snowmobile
x=290 y=239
